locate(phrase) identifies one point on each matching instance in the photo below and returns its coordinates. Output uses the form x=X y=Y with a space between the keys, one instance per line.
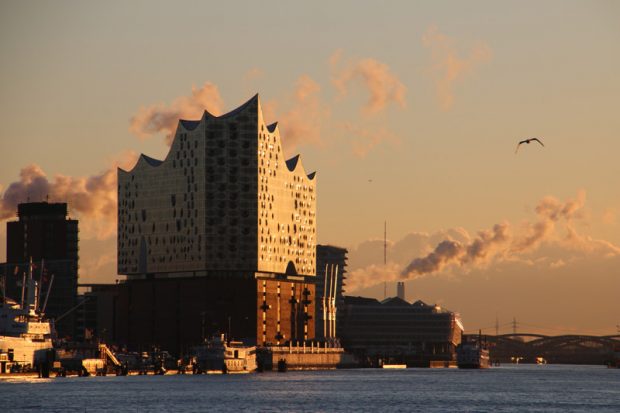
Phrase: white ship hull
x=25 y=350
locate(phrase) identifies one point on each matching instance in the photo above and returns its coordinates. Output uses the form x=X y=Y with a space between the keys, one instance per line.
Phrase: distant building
x=219 y=236
x=45 y=235
x=395 y=330
x=331 y=264
x=96 y=318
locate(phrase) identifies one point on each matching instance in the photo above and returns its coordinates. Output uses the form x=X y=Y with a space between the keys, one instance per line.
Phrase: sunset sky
x=410 y=113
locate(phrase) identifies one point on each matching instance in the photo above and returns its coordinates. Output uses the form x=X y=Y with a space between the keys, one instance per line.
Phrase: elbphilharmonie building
x=219 y=235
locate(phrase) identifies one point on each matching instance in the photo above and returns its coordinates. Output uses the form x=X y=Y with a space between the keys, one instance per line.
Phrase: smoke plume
x=448 y=67
x=382 y=85
x=161 y=118
x=482 y=249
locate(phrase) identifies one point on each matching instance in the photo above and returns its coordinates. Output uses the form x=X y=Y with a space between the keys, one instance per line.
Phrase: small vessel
x=395 y=366
x=473 y=354
x=220 y=356
x=615 y=358
x=25 y=333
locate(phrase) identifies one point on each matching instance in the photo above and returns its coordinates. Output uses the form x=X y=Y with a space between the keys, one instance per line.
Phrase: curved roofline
x=271 y=128
x=151 y=162
x=295 y=162
x=240 y=108
x=191 y=124
x=291 y=163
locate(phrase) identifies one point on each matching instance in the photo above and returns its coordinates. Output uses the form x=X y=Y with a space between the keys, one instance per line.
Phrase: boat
x=473 y=354
x=615 y=358
x=25 y=333
x=218 y=355
x=395 y=366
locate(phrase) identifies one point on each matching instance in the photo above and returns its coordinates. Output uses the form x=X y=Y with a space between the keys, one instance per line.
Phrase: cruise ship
x=25 y=334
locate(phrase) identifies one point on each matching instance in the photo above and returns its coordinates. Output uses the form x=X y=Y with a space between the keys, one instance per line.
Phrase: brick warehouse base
x=177 y=313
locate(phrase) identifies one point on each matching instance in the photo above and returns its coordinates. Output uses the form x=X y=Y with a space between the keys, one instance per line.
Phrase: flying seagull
x=528 y=141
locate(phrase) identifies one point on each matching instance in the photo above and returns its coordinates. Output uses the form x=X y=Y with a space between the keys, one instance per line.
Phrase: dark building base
x=176 y=314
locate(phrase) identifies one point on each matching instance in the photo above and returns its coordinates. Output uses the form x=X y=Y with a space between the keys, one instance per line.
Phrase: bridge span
x=563 y=349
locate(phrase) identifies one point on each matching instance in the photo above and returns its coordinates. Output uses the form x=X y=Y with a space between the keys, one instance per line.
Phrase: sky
x=410 y=112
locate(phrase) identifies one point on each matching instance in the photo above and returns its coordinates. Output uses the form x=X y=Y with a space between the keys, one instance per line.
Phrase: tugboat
x=473 y=354
x=219 y=356
x=25 y=334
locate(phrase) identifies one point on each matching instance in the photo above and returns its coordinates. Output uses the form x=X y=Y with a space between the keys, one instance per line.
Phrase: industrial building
x=45 y=236
x=395 y=330
x=218 y=236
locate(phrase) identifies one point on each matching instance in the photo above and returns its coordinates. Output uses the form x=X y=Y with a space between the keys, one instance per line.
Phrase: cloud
x=447 y=66
x=365 y=139
x=253 y=74
x=609 y=216
x=382 y=85
x=441 y=251
x=302 y=122
x=93 y=198
x=372 y=274
x=159 y=118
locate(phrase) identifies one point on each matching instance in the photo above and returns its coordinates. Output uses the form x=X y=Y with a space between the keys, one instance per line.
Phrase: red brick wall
x=285 y=302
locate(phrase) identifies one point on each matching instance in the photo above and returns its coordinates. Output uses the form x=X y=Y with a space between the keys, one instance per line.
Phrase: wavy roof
x=189 y=125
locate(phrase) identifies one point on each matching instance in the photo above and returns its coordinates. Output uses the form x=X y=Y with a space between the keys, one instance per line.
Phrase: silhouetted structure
x=45 y=235
x=394 y=330
x=96 y=318
x=564 y=349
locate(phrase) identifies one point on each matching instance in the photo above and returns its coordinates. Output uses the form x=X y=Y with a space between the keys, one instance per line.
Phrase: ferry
x=473 y=354
x=25 y=334
x=220 y=356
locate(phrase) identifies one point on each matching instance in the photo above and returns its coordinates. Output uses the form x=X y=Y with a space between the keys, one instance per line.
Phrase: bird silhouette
x=528 y=141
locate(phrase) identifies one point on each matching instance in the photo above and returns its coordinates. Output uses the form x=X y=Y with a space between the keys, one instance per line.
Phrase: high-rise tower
x=45 y=235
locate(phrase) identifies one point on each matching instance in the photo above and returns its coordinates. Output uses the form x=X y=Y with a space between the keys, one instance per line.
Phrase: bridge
x=563 y=349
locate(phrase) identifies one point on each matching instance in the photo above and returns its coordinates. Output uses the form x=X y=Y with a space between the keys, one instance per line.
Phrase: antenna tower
x=384 y=256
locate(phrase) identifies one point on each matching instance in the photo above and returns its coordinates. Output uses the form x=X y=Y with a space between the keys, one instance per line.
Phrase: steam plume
x=500 y=243
x=161 y=118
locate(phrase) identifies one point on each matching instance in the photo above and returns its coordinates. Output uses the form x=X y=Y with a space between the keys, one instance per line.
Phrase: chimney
x=400 y=290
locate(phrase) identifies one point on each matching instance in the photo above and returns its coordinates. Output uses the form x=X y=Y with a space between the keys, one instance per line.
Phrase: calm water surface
x=502 y=389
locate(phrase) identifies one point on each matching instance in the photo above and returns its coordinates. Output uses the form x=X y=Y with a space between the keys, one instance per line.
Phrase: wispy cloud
x=162 y=118
x=383 y=86
x=365 y=139
x=447 y=67
x=302 y=121
x=253 y=74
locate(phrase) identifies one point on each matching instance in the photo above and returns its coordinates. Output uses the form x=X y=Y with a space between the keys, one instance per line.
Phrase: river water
x=511 y=388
